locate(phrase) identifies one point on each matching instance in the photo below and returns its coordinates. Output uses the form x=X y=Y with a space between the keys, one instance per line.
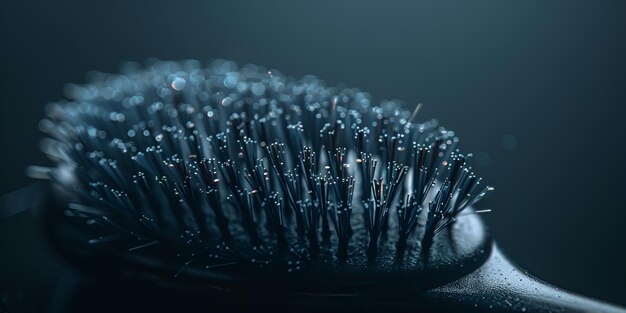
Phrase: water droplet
x=227 y=101
x=117 y=117
x=230 y=81
x=178 y=83
x=258 y=89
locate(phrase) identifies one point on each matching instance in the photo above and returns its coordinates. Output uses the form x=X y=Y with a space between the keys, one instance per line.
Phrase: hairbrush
x=241 y=189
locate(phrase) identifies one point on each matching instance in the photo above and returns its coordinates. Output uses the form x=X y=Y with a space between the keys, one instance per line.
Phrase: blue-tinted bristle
x=233 y=166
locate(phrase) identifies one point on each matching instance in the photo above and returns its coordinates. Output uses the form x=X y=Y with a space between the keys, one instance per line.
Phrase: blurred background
x=535 y=88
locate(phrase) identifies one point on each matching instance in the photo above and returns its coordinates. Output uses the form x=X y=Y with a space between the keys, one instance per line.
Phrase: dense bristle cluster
x=248 y=166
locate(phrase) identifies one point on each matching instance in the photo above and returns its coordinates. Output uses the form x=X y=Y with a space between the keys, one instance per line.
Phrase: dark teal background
x=537 y=88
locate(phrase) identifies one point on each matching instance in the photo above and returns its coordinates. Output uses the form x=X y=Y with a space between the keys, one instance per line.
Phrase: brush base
x=454 y=253
x=465 y=273
x=497 y=286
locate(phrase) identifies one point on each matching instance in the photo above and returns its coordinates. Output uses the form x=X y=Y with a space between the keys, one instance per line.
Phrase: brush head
x=230 y=178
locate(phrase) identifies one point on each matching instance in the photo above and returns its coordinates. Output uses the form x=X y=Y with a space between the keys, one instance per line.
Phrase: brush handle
x=500 y=286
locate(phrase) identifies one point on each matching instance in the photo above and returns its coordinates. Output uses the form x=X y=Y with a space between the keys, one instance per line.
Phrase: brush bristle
x=228 y=166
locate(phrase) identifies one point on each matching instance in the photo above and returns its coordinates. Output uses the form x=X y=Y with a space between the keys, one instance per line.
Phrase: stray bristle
x=248 y=166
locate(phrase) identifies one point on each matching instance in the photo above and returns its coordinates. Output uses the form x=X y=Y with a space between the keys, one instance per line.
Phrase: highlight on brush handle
x=500 y=286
